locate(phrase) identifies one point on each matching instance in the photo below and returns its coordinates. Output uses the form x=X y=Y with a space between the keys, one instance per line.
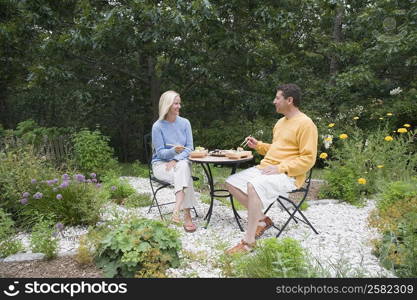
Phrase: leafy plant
x=118 y=189
x=92 y=152
x=18 y=166
x=273 y=258
x=8 y=245
x=138 y=247
x=43 y=238
x=395 y=217
x=341 y=184
x=138 y=200
x=396 y=192
x=360 y=161
x=140 y=170
x=70 y=200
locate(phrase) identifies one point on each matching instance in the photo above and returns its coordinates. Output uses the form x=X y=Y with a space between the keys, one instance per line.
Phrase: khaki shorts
x=268 y=187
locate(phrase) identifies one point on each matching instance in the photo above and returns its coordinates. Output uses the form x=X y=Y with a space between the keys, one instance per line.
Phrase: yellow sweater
x=293 y=148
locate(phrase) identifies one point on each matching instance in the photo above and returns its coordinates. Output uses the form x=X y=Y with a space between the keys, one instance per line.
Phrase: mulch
x=60 y=267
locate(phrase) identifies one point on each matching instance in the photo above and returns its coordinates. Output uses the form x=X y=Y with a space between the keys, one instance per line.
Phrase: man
x=286 y=161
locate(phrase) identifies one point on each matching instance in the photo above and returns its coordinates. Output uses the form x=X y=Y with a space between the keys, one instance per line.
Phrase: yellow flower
x=356 y=118
x=407 y=125
x=389 y=114
x=328 y=139
x=343 y=136
x=388 y=138
x=381 y=118
x=402 y=130
x=331 y=125
x=362 y=181
x=323 y=155
x=380 y=166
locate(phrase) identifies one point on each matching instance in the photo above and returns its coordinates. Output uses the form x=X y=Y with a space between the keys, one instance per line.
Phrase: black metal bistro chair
x=294 y=207
x=157 y=184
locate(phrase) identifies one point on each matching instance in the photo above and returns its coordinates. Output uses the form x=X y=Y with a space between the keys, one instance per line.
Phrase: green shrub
x=43 y=239
x=377 y=156
x=396 y=219
x=8 y=245
x=18 y=166
x=341 y=183
x=70 y=200
x=396 y=192
x=32 y=133
x=397 y=250
x=273 y=258
x=138 y=247
x=138 y=200
x=118 y=189
x=140 y=170
x=92 y=152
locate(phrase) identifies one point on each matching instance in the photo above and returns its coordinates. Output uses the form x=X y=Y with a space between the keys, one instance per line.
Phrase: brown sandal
x=242 y=247
x=175 y=219
x=192 y=226
x=260 y=230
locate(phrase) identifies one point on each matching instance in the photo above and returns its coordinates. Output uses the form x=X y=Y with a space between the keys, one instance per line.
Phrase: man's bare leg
x=238 y=194
x=254 y=213
x=243 y=198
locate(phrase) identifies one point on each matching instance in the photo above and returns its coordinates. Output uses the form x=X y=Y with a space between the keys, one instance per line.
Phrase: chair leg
x=292 y=215
x=155 y=200
x=235 y=213
x=283 y=206
x=270 y=205
x=307 y=221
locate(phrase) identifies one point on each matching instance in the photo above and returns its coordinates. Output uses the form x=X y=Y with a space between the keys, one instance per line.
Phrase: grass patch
x=205 y=198
x=135 y=169
x=318 y=173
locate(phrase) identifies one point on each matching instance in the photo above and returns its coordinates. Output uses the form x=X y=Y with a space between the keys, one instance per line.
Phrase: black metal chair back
x=147 y=146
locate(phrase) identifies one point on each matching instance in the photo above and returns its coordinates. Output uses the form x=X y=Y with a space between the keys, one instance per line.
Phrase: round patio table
x=205 y=163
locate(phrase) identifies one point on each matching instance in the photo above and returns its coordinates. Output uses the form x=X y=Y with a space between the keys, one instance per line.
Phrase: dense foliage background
x=83 y=64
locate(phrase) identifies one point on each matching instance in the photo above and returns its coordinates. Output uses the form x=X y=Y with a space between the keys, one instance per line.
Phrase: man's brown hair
x=291 y=90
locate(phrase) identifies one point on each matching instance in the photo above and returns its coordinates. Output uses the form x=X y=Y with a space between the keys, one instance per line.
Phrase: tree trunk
x=155 y=84
x=337 y=38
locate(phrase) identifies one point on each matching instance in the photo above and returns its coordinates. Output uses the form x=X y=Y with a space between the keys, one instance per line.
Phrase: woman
x=172 y=140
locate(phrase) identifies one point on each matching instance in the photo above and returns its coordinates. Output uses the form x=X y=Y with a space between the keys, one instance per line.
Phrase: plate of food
x=238 y=153
x=199 y=152
x=218 y=153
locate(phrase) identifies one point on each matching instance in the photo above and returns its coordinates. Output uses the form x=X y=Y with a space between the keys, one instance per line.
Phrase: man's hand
x=270 y=170
x=170 y=165
x=252 y=142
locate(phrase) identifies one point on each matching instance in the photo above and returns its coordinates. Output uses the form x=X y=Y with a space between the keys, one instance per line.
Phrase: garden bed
x=343 y=247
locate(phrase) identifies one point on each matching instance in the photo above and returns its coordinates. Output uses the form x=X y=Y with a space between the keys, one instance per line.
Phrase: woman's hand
x=179 y=148
x=170 y=165
x=252 y=142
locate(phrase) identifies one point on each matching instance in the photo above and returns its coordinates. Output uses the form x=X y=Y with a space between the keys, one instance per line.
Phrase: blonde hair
x=165 y=102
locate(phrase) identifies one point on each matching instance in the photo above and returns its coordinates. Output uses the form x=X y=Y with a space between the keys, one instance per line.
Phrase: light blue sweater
x=175 y=133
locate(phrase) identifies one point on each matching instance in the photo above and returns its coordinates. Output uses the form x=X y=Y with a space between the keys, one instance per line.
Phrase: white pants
x=268 y=187
x=180 y=177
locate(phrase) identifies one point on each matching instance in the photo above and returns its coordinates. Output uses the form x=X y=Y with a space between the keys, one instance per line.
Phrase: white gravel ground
x=343 y=245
